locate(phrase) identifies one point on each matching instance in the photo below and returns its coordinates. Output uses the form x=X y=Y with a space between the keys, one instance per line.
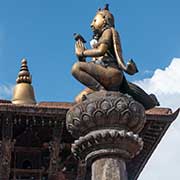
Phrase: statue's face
x=98 y=23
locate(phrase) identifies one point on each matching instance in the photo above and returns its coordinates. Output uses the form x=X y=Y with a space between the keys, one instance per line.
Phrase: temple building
x=35 y=143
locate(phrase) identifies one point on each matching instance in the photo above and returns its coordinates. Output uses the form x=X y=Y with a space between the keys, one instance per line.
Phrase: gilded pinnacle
x=23 y=91
x=24 y=75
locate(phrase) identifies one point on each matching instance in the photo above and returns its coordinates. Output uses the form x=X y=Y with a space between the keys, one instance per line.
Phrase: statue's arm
x=130 y=68
x=96 y=52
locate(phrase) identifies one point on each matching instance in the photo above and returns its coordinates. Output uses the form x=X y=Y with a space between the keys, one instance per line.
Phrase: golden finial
x=24 y=75
x=23 y=91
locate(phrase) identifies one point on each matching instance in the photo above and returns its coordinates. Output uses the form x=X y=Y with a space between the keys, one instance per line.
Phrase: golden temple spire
x=23 y=91
x=24 y=75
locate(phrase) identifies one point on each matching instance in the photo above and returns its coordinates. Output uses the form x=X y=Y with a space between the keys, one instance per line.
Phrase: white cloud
x=147 y=72
x=6 y=91
x=164 y=81
x=165 y=162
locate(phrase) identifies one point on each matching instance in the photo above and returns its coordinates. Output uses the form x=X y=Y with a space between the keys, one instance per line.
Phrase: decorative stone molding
x=103 y=110
x=108 y=142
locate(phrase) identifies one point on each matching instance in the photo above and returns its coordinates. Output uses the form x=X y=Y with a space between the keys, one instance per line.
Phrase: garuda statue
x=106 y=70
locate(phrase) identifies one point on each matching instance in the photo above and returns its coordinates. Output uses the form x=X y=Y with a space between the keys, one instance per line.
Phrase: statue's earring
x=104 y=22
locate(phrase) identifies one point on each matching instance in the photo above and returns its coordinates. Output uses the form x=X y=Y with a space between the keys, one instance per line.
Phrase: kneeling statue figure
x=106 y=70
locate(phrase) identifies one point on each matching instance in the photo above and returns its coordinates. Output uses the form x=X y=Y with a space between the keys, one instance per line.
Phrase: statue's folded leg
x=97 y=77
x=84 y=72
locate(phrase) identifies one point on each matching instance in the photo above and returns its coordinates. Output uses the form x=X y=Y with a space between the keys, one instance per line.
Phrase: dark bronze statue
x=106 y=70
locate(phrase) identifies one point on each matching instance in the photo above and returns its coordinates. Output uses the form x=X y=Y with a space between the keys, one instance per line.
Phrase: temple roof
x=158 y=121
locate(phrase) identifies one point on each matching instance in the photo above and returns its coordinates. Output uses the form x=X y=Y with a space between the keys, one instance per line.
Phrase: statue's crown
x=107 y=15
x=105 y=8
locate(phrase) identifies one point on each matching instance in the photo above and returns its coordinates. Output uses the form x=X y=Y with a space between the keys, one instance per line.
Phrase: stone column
x=55 y=148
x=109 y=167
x=6 y=147
x=106 y=126
x=5 y=158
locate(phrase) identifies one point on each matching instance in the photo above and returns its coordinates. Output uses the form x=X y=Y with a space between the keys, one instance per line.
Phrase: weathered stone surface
x=109 y=169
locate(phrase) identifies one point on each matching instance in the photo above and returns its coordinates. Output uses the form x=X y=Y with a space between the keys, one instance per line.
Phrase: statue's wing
x=118 y=49
x=131 y=66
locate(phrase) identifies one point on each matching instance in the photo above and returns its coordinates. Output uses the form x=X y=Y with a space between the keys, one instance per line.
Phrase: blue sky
x=42 y=30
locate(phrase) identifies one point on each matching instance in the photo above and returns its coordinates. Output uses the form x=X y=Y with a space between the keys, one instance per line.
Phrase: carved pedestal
x=106 y=126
